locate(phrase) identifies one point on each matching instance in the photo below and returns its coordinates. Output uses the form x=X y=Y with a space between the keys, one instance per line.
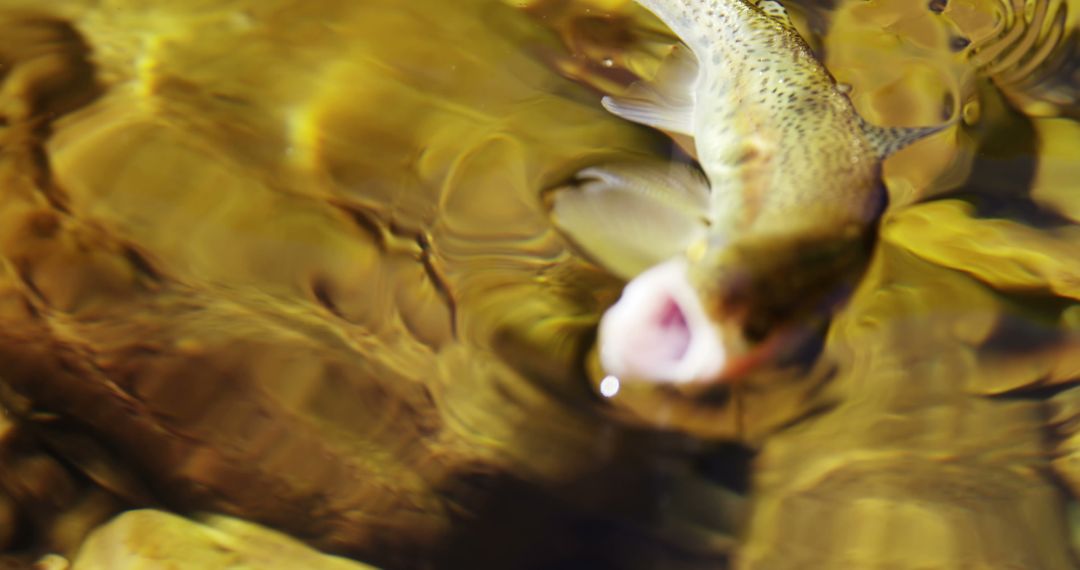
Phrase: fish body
x=773 y=133
x=790 y=192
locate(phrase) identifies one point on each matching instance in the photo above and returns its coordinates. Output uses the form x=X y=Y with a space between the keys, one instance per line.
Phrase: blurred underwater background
x=280 y=288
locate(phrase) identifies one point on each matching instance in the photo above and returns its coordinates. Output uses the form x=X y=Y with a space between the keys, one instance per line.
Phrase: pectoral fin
x=667 y=101
x=630 y=217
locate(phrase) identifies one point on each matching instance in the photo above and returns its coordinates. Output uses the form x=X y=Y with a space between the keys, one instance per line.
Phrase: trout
x=725 y=261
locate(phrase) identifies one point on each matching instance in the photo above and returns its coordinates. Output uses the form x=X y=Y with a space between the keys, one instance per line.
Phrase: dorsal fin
x=666 y=102
x=776 y=11
x=886 y=141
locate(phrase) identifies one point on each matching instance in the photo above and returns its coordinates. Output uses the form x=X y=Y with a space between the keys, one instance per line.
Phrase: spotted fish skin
x=781 y=145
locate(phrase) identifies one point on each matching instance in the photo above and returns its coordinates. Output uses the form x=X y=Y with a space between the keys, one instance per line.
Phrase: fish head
x=671 y=327
x=722 y=311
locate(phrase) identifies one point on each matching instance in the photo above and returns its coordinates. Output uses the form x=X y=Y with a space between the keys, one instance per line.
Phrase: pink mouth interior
x=658 y=330
x=668 y=338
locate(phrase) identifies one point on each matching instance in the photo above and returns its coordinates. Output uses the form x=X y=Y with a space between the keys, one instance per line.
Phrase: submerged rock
x=148 y=540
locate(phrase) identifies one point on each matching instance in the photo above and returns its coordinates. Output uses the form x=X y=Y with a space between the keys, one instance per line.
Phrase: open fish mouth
x=659 y=331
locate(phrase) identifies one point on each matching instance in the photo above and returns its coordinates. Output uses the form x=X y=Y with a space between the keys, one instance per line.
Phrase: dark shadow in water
x=1033 y=329
x=607 y=520
x=1019 y=336
x=728 y=466
x=1035 y=393
x=27 y=39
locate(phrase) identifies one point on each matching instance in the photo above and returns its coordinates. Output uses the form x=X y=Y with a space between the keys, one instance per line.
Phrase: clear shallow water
x=291 y=262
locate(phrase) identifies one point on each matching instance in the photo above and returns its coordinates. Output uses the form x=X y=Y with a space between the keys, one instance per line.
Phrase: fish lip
x=644 y=299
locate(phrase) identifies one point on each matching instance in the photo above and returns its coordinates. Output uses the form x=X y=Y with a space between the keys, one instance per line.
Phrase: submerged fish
x=721 y=265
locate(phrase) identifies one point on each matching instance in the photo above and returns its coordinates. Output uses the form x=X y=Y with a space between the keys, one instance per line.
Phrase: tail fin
x=888 y=140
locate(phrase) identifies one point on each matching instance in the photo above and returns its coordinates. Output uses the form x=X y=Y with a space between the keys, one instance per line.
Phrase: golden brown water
x=290 y=262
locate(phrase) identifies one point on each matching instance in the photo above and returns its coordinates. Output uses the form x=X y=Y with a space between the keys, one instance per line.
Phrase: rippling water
x=288 y=265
